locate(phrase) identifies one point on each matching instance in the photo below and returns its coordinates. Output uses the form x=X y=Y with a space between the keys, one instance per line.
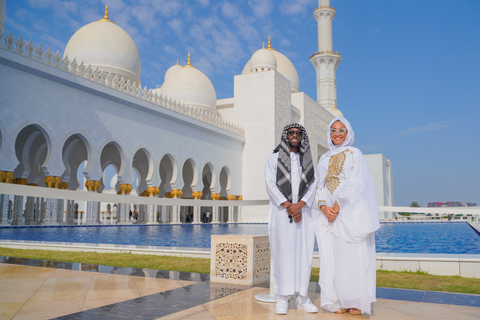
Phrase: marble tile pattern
x=34 y=289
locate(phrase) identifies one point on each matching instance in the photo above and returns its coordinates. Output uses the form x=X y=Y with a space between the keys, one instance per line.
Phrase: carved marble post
x=61 y=205
x=164 y=214
x=176 y=194
x=70 y=216
x=30 y=208
x=50 y=214
x=125 y=189
x=215 y=209
x=231 y=209
x=239 y=210
x=197 y=195
x=39 y=210
x=151 y=210
x=18 y=218
x=92 y=216
x=5 y=177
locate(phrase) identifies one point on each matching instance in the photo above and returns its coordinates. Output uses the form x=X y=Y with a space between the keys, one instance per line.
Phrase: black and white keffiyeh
x=284 y=166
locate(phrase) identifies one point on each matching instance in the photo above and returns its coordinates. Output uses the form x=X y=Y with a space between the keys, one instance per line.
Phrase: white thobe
x=291 y=244
x=347 y=245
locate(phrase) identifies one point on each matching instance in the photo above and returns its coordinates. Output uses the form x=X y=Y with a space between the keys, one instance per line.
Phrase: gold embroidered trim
x=335 y=167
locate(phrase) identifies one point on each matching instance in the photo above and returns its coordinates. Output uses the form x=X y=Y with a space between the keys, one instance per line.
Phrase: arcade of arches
x=33 y=150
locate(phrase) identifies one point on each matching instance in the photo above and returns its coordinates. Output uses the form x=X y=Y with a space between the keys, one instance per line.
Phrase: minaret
x=325 y=60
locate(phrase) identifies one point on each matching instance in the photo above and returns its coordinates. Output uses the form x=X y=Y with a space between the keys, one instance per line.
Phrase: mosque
x=86 y=107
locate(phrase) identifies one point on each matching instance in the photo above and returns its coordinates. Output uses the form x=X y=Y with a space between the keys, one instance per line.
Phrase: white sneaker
x=282 y=304
x=305 y=304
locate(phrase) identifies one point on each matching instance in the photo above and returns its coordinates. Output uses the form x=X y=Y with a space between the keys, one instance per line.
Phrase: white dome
x=105 y=45
x=284 y=67
x=172 y=70
x=190 y=86
x=262 y=60
x=336 y=113
x=3 y=13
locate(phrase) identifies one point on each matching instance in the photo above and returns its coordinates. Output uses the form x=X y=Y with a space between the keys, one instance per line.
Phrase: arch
x=111 y=155
x=75 y=151
x=109 y=179
x=208 y=180
x=168 y=173
x=33 y=150
x=225 y=181
x=143 y=167
x=189 y=177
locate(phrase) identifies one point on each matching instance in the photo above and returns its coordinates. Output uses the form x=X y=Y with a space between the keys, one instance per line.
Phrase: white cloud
x=167 y=8
x=294 y=7
x=285 y=43
x=229 y=10
x=171 y=51
x=204 y=3
x=261 y=8
x=145 y=17
x=54 y=43
x=427 y=128
x=176 y=25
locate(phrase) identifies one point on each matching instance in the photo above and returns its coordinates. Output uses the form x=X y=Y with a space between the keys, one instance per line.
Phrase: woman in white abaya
x=345 y=225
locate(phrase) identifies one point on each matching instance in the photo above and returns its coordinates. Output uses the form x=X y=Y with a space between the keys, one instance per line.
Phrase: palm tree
x=414 y=204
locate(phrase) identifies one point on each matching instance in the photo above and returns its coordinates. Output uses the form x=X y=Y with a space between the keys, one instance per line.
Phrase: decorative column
x=30 y=208
x=215 y=209
x=70 y=215
x=231 y=209
x=61 y=204
x=92 y=216
x=40 y=210
x=325 y=60
x=18 y=219
x=142 y=209
x=50 y=215
x=176 y=194
x=167 y=210
x=151 y=209
x=125 y=189
x=197 y=195
x=239 y=210
x=5 y=177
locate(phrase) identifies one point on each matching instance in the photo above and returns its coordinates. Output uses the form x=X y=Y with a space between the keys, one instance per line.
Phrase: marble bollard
x=240 y=259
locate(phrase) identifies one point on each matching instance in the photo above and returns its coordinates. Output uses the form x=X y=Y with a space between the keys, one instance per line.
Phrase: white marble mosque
x=87 y=107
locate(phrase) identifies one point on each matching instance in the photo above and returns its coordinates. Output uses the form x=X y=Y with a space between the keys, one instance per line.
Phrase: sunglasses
x=292 y=132
x=341 y=131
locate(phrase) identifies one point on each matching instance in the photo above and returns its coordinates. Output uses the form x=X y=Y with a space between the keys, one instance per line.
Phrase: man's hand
x=293 y=209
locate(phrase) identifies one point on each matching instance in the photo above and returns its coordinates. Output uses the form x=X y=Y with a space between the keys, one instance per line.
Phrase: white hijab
x=336 y=149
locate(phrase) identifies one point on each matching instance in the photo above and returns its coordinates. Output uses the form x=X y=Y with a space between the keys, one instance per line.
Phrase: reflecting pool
x=447 y=237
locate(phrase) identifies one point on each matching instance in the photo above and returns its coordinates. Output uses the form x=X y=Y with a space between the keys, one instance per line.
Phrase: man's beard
x=293 y=145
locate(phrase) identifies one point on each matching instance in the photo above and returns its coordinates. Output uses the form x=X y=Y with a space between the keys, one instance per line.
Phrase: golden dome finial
x=106 y=12
x=177 y=62
x=105 y=17
x=270 y=44
x=188 y=62
x=263 y=45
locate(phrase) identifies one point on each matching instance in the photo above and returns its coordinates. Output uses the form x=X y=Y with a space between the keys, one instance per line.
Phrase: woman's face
x=336 y=132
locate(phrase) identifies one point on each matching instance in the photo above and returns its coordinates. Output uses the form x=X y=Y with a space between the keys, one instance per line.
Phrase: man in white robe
x=289 y=179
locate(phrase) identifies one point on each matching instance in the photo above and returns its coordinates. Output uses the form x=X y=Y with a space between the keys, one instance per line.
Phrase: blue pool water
x=451 y=238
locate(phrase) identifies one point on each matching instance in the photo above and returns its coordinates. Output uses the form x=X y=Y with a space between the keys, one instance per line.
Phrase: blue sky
x=409 y=81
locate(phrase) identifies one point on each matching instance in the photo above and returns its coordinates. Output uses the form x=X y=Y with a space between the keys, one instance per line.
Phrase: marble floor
x=34 y=289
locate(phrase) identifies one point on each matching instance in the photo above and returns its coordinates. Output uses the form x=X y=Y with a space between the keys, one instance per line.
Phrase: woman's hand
x=329 y=212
